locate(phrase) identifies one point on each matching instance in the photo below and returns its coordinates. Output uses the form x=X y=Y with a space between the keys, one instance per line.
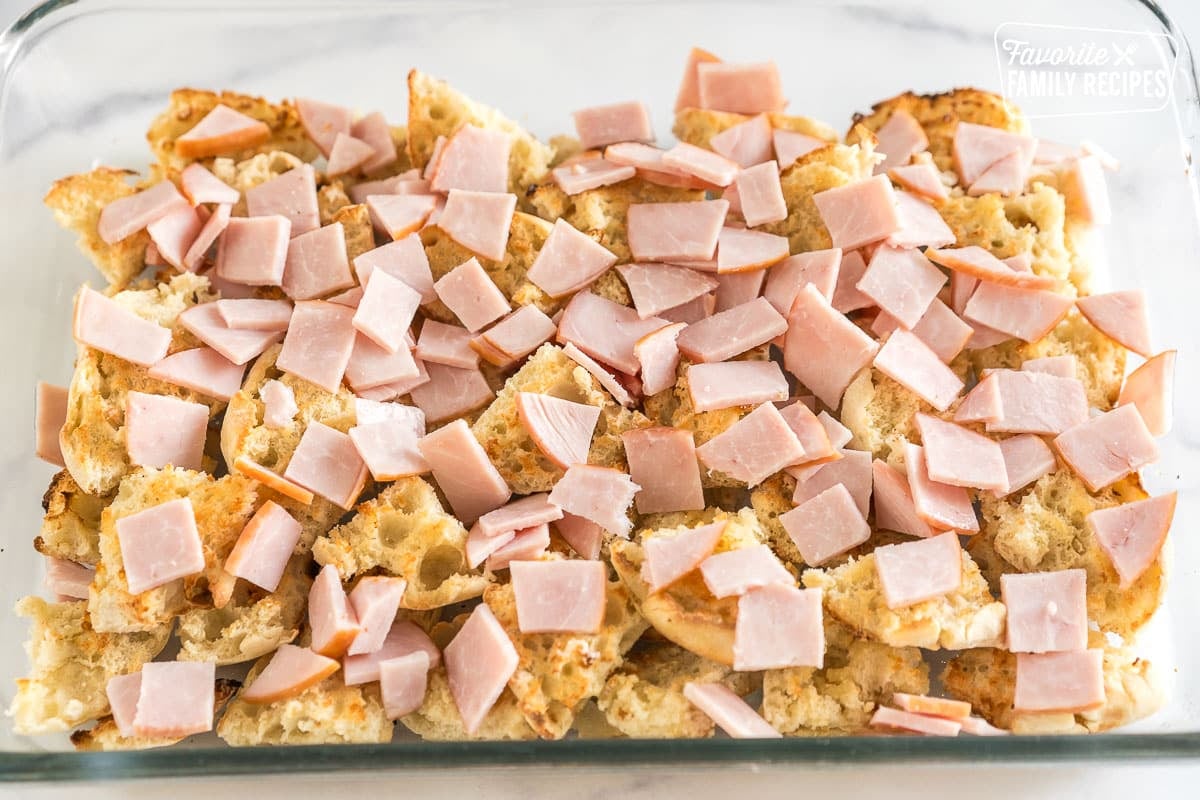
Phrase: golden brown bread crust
x=77 y=201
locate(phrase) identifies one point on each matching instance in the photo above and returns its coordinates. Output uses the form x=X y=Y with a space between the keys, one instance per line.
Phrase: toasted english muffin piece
x=859 y=675
x=77 y=201
x=882 y=415
x=558 y=672
x=1043 y=529
x=222 y=507
x=685 y=612
x=253 y=623
x=939 y=114
x=526 y=235
x=71 y=522
x=643 y=697
x=824 y=168
x=966 y=617
x=986 y=678
x=329 y=713
x=511 y=449
x=186 y=107
x=93 y=436
x=406 y=532
x=437 y=109
x=602 y=213
x=770 y=499
x=698 y=125
x=106 y=736
x=356 y=223
x=438 y=719
x=71 y=665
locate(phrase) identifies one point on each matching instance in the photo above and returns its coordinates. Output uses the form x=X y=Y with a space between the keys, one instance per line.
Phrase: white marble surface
x=896 y=781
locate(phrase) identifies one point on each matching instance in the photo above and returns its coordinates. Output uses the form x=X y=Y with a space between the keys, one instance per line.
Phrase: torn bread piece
x=71 y=522
x=77 y=201
x=406 y=532
x=71 y=665
x=698 y=126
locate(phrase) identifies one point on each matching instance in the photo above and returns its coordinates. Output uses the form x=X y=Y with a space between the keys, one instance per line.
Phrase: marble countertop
x=751 y=782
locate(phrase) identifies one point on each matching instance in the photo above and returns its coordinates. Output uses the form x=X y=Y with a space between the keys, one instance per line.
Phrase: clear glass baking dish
x=81 y=80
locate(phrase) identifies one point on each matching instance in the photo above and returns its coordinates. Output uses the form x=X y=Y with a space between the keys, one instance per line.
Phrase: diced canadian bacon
x=760 y=194
x=264 y=546
x=932 y=706
x=474 y=159
x=159 y=544
x=1081 y=180
x=600 y=494
x=1121 y=316
x=589 y=174
x=658 y=357
x=290 y=671
x=1007 y=176
x=619 y=122
x=201 y=186
x=479 y=661
x=913 y=572
x=961 y=457
x=561 y=429
x=735 y=572
x=348 y=154
x=662 y=461
x=901 y=282
x=251 y=469
x=731 y=713
x=1070 y=681
x=726 y=384
x=102 y=323
x=885 y=717
x=1107 y=447
x=733 y=331
x=221 y=131
x=753 y=448
x=323 y=122
x=568 y=261
x=161 y=430
x=899 y=139
x=373 y=129
x=909 y=361
x=1150 y=388
x=528 y=544
x=479 y=221
x=746 y=143
x=977 y=147
x=175 y=699
x=1047 y=611
x=689 y=86
x=704 y=164
x=1026 y=458
x=978 y=263
x=859 y=213
x=559 y=596
x=943 y=506
x=675 y=231
x=791 y=145
x=660 y=287
x=741 y=250
x=846 y=296
x=450 y=392
x=292 y=195
x=1132 y=535
x=920 y=224
x=826 y=525
x=779 y=626
x=252 y=251
x=740 y=88
x=327 y=462
x=671 y=555
x=51 y=412
x=852 y=470
x=823 y=349
x=922 y=179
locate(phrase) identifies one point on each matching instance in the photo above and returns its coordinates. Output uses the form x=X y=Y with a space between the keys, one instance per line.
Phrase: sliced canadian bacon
x=290 y=671
x=469 y=292
x=159 y=544
x=375 y=131
x=740 y=88
x=978 y=263
x=244 y=466
x=760 y=194
x=1047 y=611
x=67 y=578
x=1132 y=534
x=779 y=626
x=826 y=525
x=479 y=221
x=253 y=314
x=221 y=131
x=201 y=186
x=253 y=250
x=102 y=323
x=588 y=174
x=389 y=446
x=909 y=361
x=982 y=403
x=162 y=431
x=885 y=717
x=292 y=195
x=474 y=159
x=1081 y=180
x=731 y=713
x=753 y=448
x=175 y=698
x=662 y=461
x=659 y=287
x=675 y=231
x=399 y=215
x=920 y=224
x=960 y=457
x=210 y=232
x=327 y=462
x=583 y=535
x=404 y=259
x=670 y=556
x=846 y=296
x=526 y=545
x=1027 y=314
x=480 y=548
x=727 y=384
x=941 y=505
x=704 y=164
x=1007 y=176
x=605 y=330
x=316 y=264
x=1026 y=458
x=790 y=146
x=746 y=143
x=728 y=333
x=852 y=470
x=810 y=432
x=1036 y=402
x=901 y=282
x=370 y=366
x=738 y=288
x=347 y=155
x=859 y=213
x=404 y=638
x=375 y=600
x=479 y=661
x=559 y=596
x=264 y=546
x=1150 y=388
x=605 y=378
x=657 y=354
x=920 y=178
x=694 y=310
x=561 y=429
x=689 y=87
x=785 y=280
x=899 y=139
x=1107 y=447
x=600 y=494
x=403 y=683
x=461 y=467
x=517 y=515
x=515 y=336
x=451 y=392
x=977 y=147
x=942 y=707
x=174 y=233
x=1121 y=316
x=823 y=349
x=51 y=411
x=126 y=216
x=943 y=331
x=318 y=344
x=741 y=250
x=405 y=183
x=912 y=572
x=568 y=261
x=446 y=344
x=735 y=572
x=323 y=122
x=619 y=122
x=1070 y=681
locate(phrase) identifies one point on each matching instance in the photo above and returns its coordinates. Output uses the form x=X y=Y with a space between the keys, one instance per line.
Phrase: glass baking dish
x=81 y=81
